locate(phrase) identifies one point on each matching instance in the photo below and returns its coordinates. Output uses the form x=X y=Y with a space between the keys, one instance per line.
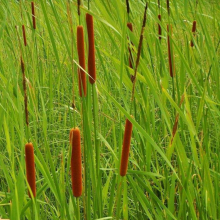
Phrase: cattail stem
x=139 y=51
x=24 y=35
x=30 y=168
x=81 y=55
x=159 y=27
x=170 y=51
x=126 y=148
x=78 y=208
x=91 y=56
x=78 y=6
x=33 y=15
x=76 y=163
x=69 y=14
x=194 y=32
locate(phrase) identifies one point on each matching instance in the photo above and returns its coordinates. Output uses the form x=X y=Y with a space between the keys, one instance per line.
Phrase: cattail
x=168 y=7
x=81 y=55
x=159 y=27
x=78 y=6
x=33 y=15
x=76 y=163
x=25 y=91
x=91 y=57
x=126 y=148
x=139 y=51
x=128 y=6
x=24 y=35
x=193 y=31
x=170 y=52
x=175 y=126
x=130 y=26
x=30 y=169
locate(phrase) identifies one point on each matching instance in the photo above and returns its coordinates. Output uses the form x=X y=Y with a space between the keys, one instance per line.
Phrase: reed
x=91 y=55
x=24 y=35
x=76 y=163
x=170 y=52
x=81 y=55
x=30 y=168
x=33 y=15
x=194 y=32
x=159 y=27
x=126 y=148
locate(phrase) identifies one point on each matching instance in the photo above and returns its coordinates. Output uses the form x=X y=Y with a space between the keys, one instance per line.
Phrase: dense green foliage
x=169 y=177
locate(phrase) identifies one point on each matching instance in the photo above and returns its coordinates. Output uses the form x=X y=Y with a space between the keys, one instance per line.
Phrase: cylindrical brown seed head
x=81 y=55
x=24 y=35
x=76 y=163
x=78 y=5
x=91 y=57
x=128 y=6
x=194 y=27
x=193 y=31
x=25 y=91
x=33 y=15
x=159 y=28
x=130 y=26
x=126 y=148
x=168 y=7
x=30 y=168
x=170 y=53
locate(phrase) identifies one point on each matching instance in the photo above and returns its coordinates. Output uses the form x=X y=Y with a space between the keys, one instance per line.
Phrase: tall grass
x=173 y=164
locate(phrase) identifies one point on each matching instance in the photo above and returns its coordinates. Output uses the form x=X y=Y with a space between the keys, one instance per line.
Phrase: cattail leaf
x=107 y=145
x=7 y=138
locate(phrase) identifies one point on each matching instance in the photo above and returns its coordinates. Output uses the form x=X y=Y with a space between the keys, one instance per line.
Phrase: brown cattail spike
x=193 y=31
x=81 y=55
x=24 y=35
x=25 y=91
x=128 y=6
x=76 y=163
x=78 y=5
x=130 y=26
x=159 y=27
x=30 y=168
x=33 y=15
x=139 y=51
x=170 y=52
x=126 y=148
x=91 y=57
x=168 y=7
